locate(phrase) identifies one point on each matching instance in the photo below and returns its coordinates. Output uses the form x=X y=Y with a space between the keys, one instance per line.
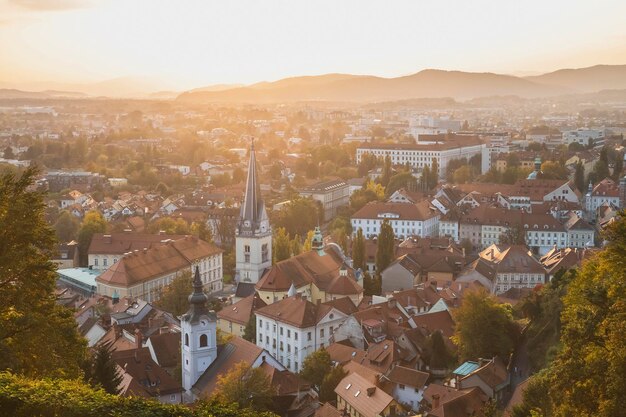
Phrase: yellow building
x=234 y=318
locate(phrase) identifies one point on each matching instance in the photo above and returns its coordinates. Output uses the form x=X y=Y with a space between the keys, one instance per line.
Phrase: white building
x=198 y=336
x=330 y=194
x=584 y=137
x=293 y=328
x=253 y=239
x=421 y=155
x=406 y=219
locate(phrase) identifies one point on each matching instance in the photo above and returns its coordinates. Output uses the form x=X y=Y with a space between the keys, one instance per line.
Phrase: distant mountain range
x=430 y=83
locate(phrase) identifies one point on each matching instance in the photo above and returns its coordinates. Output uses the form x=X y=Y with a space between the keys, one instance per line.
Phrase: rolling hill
x=427 y=83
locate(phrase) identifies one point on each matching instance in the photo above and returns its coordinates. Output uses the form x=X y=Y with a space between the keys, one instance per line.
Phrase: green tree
x=579 y=177
x=201 y=230
x=316 y=366
x=38 y=337
x=330 y=382
x=484 y=328
x=93 y=223
x=513 y=235
x=249 y=332
x=386 y=174
x=404 y=180
x=282 y=245
x=25 y=397
x=588 y=375
x=358 y=250
x=463 y=175
x=174 y=296
x=66 y=226
x=296 y=245
x=299 y=216
x=385 y=247
x=433 y=180
x=438 y=355
x=8 y=153
x=101 y=370
x=246 y=386
x=370 y=192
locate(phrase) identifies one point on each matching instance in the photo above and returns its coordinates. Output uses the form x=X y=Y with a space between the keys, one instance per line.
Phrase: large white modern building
x=420 y=155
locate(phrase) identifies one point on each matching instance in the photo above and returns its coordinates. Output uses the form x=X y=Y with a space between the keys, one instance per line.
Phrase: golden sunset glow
x=186 y=44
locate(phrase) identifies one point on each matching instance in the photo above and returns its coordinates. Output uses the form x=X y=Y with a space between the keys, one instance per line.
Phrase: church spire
x=253 y=209
x=197 y=300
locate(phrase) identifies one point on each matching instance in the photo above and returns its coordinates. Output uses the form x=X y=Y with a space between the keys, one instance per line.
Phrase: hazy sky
x=195 y=43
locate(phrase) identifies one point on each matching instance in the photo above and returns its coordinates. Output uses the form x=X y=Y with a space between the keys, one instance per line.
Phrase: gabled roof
x=228 y=355
x=362 y=395
x=494 y=373
x=407 y=376
x=144 y=265
x=241 y=311
x=296 y=311
x=148 y=374
x=342 y=354
x=321 y=268
x=121 y=243
x=166 y=347
x=511 y=259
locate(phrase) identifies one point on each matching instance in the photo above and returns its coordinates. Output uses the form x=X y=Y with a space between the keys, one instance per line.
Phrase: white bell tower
x=253 y=240
x=198 y=336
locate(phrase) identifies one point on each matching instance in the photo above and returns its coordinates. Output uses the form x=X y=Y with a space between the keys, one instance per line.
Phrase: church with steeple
x=253 y=238
x=199 y=336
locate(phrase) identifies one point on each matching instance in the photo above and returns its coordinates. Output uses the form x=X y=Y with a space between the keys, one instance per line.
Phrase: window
x=281 y=345
x=261 y=323
x=295 y=335
x=204 y=340
x=308 y=336
x=402 y=386
x=281 y=330
x=186 y=339
x=264 y=253
x=95 y=262
x=246 y=252
x=288 y=333
x=105 y=262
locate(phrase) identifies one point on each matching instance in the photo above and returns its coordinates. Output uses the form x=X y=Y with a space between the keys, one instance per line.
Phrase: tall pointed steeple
x=253 y=240
x=252 y=212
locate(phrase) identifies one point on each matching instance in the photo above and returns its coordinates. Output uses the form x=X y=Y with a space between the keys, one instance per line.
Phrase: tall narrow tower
x=253 y=240
x=198 y=334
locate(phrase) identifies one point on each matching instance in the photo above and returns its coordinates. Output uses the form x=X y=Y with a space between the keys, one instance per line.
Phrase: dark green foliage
x=438 y=355
x=514 y=235
x=299 y=216
x=358 y=251
x=330 y=382
x=37 y=336
x=404 y=180
x=22 y=397
x=386 y=247
x=484 y=328
x=101 y=370
x=249 y=333
x=316 y=366
x=579 y=177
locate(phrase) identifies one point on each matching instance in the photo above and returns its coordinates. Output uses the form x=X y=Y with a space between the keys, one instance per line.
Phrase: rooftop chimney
x=435 y=401
x=138 y=339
